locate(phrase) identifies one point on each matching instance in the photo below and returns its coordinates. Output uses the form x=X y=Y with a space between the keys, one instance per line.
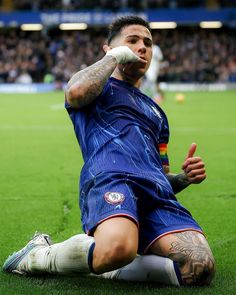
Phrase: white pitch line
x=57 y=107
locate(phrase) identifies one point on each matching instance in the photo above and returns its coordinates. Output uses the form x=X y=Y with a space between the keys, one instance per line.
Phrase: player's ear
x=106 y=48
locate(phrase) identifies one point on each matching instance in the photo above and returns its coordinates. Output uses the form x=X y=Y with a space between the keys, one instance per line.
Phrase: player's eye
x=148 y=43
x=132 y=41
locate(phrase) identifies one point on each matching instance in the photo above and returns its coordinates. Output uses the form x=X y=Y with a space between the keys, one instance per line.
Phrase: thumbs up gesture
x=193 y=166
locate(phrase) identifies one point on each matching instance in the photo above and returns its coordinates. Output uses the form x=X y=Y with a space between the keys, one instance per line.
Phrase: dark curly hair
x=116 y=27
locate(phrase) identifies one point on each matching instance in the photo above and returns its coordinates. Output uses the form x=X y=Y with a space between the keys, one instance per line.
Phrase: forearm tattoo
x=178 y=181
x=92 y=79
x=194 y=257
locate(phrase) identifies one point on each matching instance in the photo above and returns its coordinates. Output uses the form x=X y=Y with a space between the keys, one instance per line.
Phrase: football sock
x=148 y=268
x=70 y=256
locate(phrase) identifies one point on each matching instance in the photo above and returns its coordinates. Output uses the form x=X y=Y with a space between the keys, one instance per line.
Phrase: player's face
x=139 y=39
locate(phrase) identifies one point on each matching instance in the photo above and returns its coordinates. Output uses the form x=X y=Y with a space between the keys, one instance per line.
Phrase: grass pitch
x=40 y=162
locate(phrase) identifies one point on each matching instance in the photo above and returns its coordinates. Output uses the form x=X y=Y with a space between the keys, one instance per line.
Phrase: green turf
x=40 y=163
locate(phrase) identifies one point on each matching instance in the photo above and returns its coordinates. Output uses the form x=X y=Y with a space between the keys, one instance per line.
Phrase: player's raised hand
x=123 y=55
x=193 y=166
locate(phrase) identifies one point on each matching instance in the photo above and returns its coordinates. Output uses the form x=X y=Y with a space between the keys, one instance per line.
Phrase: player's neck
x=134 y=81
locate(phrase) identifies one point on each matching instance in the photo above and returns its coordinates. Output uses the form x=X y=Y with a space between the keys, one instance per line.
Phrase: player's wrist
x=111 y=58
x=178 y=181
x=113 y=54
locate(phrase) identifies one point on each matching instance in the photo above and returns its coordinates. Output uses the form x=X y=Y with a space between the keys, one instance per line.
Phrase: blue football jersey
x=121 y=130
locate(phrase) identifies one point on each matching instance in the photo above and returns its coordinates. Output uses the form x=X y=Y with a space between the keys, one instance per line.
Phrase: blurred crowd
x=190 y=55
x=197 y=55
x=116 y=4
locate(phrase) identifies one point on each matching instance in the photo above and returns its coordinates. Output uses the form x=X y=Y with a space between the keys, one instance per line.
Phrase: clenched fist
x=123 y=55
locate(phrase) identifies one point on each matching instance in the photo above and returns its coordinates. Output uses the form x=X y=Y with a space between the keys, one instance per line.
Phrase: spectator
x=190 y=55
x=24 y=78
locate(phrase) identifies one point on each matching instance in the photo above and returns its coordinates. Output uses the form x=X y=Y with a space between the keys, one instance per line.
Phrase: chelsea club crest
x=114 y=198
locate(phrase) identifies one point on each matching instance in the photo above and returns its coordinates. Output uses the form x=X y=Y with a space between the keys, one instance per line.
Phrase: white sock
x=70 y=256
x=148 y=268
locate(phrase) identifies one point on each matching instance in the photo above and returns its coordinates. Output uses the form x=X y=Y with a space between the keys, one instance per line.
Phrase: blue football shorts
x=155 y=211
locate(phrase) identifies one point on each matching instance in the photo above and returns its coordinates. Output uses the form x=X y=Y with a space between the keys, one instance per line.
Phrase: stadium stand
x=191 y=54
x=116 y=4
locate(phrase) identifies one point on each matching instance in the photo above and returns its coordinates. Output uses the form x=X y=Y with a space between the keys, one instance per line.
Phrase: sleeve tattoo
x=87 y=84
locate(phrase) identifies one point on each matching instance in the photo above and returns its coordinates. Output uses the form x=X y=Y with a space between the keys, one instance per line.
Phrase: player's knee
x=121 y=253
x=198 y=271
x=115 y=256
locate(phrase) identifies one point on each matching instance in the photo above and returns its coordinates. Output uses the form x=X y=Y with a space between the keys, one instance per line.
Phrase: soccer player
x=127 y=193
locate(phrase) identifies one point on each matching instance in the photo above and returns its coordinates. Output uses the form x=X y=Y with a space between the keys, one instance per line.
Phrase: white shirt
x=154 y=67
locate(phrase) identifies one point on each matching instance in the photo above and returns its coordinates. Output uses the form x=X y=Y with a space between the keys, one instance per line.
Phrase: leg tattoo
x=194 y=257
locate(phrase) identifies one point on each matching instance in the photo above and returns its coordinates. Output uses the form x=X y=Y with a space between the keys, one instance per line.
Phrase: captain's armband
x=164 y=156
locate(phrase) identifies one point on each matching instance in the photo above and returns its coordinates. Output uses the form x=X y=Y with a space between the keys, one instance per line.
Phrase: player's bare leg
x=192 y=253
x=116 y=241
x=176 y=259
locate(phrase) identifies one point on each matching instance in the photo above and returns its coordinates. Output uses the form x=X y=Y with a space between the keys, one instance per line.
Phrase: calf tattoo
x=194 y=257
